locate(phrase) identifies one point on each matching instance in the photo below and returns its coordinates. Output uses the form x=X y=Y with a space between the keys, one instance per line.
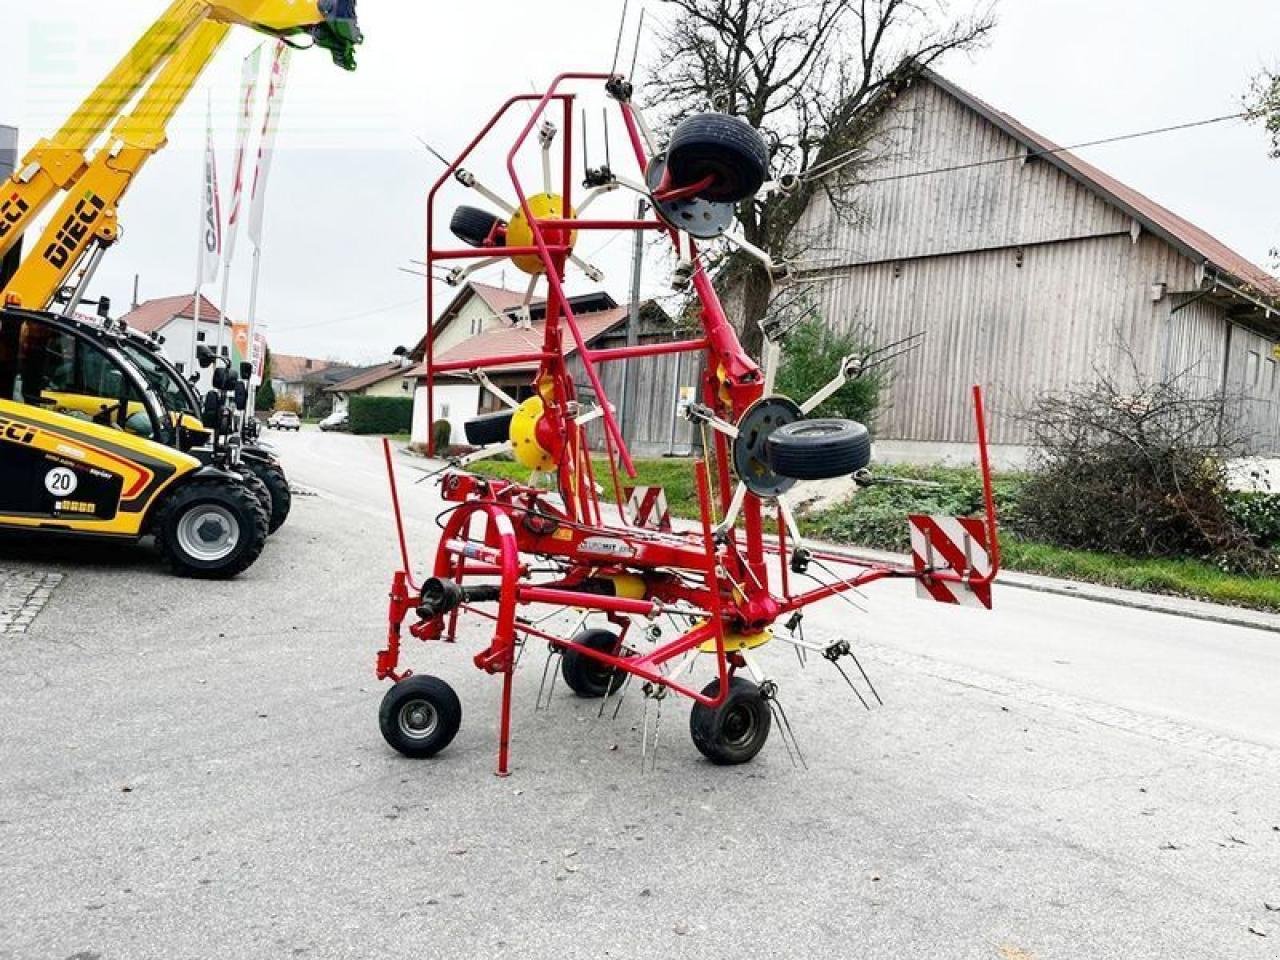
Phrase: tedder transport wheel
x=420 y=716
x=819 y=449
x=587 y=677
x=735 y=731
x=277 y=485
x=472 y=225
x=724 y=147
x=491 y=428
x=212 y=529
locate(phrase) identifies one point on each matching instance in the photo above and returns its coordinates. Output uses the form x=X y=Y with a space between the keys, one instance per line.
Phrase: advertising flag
x=211 y=212
x=266 y=146
x=248 y=88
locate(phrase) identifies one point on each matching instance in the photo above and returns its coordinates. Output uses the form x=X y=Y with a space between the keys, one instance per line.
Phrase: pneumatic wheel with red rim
x=473 y=226
x=420 y=716
x=727 y=149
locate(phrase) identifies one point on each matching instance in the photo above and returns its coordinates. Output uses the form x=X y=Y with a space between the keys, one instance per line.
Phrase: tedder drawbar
x=726 y=585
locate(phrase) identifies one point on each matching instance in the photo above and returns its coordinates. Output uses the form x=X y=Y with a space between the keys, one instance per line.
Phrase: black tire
x=721 y=146
x=260 y=491
x=819 y=449
x=220 y=501
x=490 y=428
x=277 y=485
x=472 y=225
x=420 y=716
x=591 y=678
x=735 y=731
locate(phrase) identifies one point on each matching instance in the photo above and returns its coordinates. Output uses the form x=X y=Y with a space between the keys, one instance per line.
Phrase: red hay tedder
x=726 y=585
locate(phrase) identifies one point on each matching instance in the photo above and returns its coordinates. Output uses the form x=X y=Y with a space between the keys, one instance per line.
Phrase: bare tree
x=811 y=75
x=1263 y=106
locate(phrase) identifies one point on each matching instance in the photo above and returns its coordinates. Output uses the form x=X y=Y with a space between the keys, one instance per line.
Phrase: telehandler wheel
x=472 y=225
x=420 y=716
x=211 y=529
x=591 y=678
x=262 y=494
x=733 y=732
x=278 y=486
x=819 y=449
x=723 y=147
x=490 y=428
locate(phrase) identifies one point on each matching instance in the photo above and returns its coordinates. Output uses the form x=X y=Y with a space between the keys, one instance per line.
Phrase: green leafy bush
x=811 y=357
x=381 y=414
x=441 y=430
x=1259 y=515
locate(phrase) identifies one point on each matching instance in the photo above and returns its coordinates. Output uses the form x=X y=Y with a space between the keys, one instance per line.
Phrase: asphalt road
x=194 y=770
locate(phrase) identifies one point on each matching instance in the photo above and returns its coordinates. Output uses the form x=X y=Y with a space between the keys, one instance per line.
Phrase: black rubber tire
x=725 y=147
x=277 y=485
x=735 y=731
x=819 y=449
x=260 y=491
x=238 y=500
x=472 y=225
x=420 y=716
x=490 y=428
x=591 y=678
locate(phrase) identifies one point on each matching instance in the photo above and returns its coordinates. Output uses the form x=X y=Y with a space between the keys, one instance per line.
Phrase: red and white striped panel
x=646 y=507
x=955 y=544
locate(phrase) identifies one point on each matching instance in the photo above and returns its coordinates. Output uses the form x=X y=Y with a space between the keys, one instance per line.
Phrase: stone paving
x=23 y=594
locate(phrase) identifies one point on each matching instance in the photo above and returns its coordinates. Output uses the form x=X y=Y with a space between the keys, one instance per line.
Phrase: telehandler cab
x=90 y=448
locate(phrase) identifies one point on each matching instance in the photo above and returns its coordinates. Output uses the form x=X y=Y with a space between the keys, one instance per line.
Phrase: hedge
x=381 y=414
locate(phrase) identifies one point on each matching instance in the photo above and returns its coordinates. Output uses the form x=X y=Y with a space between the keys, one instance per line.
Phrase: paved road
x=195 y=771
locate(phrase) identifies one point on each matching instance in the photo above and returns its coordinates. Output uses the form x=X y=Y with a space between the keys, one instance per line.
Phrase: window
x=200 y=337
x=1252 y=369
x=1272 y=381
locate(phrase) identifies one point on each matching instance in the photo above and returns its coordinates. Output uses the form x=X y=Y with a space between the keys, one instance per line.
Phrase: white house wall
x=457 y=403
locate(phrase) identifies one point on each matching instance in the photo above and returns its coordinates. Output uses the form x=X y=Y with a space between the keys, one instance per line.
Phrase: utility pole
x=633 y=321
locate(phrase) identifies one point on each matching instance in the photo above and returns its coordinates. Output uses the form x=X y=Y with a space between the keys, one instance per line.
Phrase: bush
x=381 y=414
x=441 y=430
x=1138 y=471
x=287 y=404
x=811 y=356
x=877 y=516
x=1259 y=515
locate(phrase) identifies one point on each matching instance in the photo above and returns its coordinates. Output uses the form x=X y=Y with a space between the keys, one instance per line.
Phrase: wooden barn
x=1028 y=275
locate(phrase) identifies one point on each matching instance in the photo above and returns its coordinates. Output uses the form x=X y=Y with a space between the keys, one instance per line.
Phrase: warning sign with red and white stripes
x=955 y=545
x=646 y=508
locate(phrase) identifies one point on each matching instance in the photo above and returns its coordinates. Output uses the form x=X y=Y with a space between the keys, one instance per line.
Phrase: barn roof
x=1185 y=236
x=367 y=377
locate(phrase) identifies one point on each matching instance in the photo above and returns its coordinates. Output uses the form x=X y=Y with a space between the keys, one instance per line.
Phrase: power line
x=354 y=316
x=828 y=167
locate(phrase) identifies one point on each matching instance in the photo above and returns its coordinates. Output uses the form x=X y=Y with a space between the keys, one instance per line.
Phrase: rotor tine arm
x=456 y=277
x=594 y=273
x=469 y=180
x=735 y=505
x=497 y=391
x=594 y=194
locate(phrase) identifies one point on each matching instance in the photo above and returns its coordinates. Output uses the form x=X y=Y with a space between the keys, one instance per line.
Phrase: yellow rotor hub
x=733 y=642
x=543 y=206
x=524 y=437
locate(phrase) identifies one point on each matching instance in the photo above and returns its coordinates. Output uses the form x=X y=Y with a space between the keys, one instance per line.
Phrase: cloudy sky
x=347 y=197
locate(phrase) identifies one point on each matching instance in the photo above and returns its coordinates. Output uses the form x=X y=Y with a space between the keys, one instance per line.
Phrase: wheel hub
x=418 y=719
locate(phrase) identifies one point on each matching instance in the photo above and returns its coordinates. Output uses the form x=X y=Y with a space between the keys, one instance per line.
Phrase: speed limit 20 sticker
x=61 y=481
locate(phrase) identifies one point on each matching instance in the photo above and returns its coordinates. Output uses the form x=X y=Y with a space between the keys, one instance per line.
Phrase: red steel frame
x=495 y=526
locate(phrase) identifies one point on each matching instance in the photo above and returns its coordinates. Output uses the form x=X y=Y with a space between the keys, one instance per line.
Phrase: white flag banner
x=248 y=88
x=211 y=211
x=266 y=146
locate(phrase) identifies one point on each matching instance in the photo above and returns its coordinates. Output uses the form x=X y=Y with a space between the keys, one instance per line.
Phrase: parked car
x=338 y=420
x=284 y=420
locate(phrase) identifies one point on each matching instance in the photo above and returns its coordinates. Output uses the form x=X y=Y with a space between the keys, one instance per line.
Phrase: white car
x=284 y=420
x=338 y=420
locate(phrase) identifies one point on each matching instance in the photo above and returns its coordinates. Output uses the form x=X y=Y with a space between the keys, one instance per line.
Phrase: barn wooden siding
x=648 y=417
x=1023 y=280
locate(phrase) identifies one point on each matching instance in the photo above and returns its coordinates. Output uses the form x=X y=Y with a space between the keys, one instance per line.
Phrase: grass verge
x=876 y=518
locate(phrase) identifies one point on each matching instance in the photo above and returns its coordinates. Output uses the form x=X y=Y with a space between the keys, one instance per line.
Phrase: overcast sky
x=347 y=197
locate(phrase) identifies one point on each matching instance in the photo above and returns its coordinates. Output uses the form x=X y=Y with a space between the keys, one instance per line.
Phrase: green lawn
x=877 y=519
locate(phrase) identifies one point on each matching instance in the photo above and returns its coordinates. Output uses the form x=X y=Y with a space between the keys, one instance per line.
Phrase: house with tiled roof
x=1029 y=270
x=390 y=379
x=174 y=320
x=487 y=322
